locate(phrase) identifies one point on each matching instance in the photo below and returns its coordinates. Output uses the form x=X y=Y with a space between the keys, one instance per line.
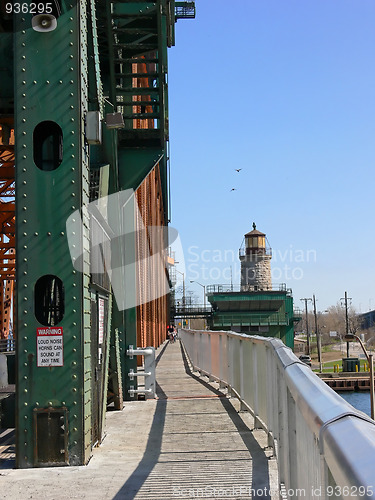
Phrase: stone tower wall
x=256 y=272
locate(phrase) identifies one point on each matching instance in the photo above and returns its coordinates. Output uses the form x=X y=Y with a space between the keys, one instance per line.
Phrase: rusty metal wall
x=151 y=316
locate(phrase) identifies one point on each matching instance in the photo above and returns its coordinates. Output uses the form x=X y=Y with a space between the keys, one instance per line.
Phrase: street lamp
x=183 y=287
x=204 y=297
x=204 y=291
x=351 y=336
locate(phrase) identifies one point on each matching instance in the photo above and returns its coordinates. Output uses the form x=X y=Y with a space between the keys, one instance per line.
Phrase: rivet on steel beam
x=36 y=403
x=24 y=157
x=74 y=363
x=25 y=260
x=24 y=195
x=25 y=390
x=74 y=311
x=73 y=377
x=71 y=69
x=71 y=43
x=23 y=70
x=73 y=208
x=63 y=403
x=73 y=194
x=25 y=350
x=71 y=56
x=25 y=234
x=36 y=234
x=23 y=32
x=74 y=284
x=73 y=169
x=70 y=31
x=34 y=82
x=71 y=107
x=24 y=182
x=49 y=234
x=24 y=221
x=24 y=107
x=23 y=133
x=24 y=120
x=60 y=81
x=47 y=82
x=73 y=156
x=75 y=336
x=74 y=442
x=74 y=416
x=72 y=119
x=23 y=95
x=70 y=19
x=74 y=350
x=73 y=181
x=24 y=170
x=74 y=298
x=72 y=132
x=23 y=57
x=25 y=364
x=71 y=81
x=25 y=298
x=25 y=404
x=23 y=44
x=75 y=429
x=25 y=286
x=49 y=403
x=62 y=233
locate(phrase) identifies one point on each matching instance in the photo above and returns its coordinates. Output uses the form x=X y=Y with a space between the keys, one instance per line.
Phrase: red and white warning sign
x=50 y=346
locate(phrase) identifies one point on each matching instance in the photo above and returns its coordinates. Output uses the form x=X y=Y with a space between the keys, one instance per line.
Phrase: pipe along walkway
x=190 y=442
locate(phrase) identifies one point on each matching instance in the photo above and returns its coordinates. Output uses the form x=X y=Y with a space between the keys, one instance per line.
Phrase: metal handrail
x=324 y=447
x=225 y=288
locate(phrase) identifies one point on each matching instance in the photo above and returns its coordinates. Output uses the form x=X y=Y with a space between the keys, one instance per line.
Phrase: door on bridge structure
x=99 y=333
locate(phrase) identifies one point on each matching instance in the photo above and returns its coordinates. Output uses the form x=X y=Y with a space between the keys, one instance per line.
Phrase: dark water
x=360 y=400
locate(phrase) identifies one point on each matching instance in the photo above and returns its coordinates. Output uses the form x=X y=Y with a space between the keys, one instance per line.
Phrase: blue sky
x=284 y=90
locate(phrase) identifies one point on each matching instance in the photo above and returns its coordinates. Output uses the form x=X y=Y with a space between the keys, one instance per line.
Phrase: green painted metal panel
x=51 y=86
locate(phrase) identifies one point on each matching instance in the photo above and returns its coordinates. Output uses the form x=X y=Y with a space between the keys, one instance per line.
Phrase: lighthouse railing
x=324 y=447
x=225 y=288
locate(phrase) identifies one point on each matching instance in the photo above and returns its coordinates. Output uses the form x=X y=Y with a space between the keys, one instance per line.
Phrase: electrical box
x=93 y=127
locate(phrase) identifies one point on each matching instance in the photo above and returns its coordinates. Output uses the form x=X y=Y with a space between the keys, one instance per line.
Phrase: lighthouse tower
x=255 y=259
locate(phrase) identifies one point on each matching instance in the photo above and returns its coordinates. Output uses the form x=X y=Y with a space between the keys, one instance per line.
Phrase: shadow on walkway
x=260 y=485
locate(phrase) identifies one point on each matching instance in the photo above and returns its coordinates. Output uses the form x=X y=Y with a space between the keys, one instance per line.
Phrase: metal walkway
x=189 y=443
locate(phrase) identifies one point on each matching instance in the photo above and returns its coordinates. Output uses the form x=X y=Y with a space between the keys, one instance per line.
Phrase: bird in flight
x=233 y=189
x=237 y=169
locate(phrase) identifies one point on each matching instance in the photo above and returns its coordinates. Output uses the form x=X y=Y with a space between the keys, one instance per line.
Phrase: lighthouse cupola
x=255 y=257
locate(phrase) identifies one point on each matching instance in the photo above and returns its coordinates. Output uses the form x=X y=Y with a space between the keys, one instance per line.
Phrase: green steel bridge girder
x=51 y=85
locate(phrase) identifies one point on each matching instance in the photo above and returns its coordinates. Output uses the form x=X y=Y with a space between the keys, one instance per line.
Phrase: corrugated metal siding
x=151 y=316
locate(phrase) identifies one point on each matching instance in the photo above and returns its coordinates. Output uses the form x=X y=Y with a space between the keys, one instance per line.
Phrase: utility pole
x=318 y=338
x=307 y=326
x=345 y=299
